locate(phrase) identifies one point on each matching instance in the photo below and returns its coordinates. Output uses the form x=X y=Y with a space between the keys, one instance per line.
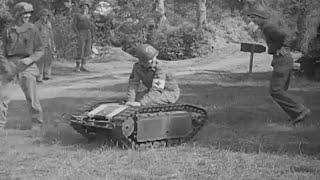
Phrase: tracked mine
x=135 y=127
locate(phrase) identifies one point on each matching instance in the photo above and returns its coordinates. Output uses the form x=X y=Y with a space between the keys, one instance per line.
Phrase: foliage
x=5 y=16
x=127 y=23
x=65 y=38
x=181 y=43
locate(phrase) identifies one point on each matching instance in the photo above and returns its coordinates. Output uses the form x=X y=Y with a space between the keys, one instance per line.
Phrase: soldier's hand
x=130 y=103
x=26 y=61
x=6 y=68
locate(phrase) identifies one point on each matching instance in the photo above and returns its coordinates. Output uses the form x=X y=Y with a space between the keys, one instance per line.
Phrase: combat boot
x=37 y=121
x=39 y=79
x=83 y=64
x=84 y=69
x=77 y=69
x=304 y=115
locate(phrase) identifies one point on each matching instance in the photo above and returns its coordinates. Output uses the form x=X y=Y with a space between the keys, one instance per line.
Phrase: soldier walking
x=45 y=28
x=278 y=45
x=162 y=88
x=22 y=48
x=84 y=28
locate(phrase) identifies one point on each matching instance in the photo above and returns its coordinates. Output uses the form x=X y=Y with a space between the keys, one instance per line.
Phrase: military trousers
x=27 y=82
x=148 y=98
x=84 y=46
x=45 y=63
x=279 y=85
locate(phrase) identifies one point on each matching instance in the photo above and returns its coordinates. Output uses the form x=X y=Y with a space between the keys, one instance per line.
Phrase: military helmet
x=44 y=12
x=85 y=2
x=145 y=52
x=258 y=13
x=22 y=8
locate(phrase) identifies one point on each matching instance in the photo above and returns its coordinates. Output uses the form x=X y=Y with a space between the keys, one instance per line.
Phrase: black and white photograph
x=159 y=89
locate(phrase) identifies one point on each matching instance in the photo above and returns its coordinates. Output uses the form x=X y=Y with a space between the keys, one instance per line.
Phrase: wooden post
x=252 y=48
x=251 y=59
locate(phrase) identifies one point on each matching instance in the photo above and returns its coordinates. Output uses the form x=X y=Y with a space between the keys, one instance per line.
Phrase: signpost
x=252 y=48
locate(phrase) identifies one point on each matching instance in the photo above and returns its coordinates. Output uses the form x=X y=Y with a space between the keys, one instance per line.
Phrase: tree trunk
x=301 y=25
x=308 y=24
x=202 y=14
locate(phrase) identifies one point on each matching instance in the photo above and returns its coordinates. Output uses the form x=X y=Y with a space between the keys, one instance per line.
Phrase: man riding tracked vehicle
x=162 y=88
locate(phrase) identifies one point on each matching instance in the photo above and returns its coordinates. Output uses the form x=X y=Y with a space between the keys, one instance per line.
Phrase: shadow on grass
x=241 y=117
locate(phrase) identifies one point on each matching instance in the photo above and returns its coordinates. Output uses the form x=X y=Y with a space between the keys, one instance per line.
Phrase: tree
x=202 y=14
x=308 y=24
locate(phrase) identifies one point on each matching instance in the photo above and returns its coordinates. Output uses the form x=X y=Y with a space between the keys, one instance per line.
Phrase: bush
x=182 y=43
x=65 y=38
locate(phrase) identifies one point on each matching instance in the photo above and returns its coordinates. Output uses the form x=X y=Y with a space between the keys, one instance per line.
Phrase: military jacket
x=274 y=36
x=46 y=33
x=276 y=39
x=22 y=41
x=83 y=22
x=155 y=79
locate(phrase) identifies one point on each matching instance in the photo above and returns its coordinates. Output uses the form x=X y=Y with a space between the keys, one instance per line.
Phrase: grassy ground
x=247 y=136
x=90 y=161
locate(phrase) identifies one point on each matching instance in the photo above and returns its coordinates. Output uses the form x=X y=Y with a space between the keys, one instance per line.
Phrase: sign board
x=252 y=48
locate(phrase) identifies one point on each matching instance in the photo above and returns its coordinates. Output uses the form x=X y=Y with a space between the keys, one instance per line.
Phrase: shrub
x=182 y=43
x=65 y=37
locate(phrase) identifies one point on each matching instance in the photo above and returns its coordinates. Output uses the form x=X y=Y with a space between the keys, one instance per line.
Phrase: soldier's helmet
x=145 y=52
x=44 y=12
x=22 y=8
x=258 y=13
x=85 y=2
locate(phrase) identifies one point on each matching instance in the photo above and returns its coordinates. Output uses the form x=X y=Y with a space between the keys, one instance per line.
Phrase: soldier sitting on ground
x=161 y=86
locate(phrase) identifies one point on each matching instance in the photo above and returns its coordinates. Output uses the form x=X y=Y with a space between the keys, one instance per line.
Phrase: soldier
x=161 y=86
x=45 y=28
x=22 y=48
x=84 y=28
x=277 y=40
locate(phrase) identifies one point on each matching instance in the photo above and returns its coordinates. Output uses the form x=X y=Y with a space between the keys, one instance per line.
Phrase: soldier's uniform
x=162 y=87
x=47 y=39
x=84 y=27
x=277 y=41
x=22 y=47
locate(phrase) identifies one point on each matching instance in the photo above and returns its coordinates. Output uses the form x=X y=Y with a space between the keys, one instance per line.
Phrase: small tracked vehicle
x=132 y=127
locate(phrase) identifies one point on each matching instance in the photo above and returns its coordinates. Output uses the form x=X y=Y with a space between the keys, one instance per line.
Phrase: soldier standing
x=84 y=28
x=277 y=41
x=22 y=48
x=45 y=28
x=162 y=87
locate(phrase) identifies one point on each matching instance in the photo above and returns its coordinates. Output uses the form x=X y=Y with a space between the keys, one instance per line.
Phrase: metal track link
x=133 y=111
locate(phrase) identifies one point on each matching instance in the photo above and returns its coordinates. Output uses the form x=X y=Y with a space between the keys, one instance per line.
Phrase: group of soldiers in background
x=30 y=48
